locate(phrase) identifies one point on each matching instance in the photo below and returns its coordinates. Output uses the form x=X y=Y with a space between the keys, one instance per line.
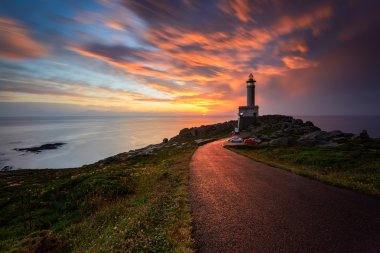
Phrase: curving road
x=239 y=205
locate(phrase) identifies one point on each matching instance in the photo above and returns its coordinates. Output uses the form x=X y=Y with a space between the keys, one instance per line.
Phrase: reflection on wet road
x=239 y=205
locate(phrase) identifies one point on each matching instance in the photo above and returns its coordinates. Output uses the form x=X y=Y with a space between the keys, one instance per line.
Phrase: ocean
x=90 y=139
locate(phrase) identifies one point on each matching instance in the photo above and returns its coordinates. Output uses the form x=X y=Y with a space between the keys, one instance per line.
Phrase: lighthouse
x=248 y=114
x=251 y=91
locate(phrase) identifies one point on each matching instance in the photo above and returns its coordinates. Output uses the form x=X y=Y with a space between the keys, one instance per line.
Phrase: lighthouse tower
x=248 y=114
x=251 y=91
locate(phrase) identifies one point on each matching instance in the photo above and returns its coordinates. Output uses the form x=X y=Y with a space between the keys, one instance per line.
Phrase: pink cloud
x=312 y=20
x=16 y=43
x=296 y=62
x=239 y=8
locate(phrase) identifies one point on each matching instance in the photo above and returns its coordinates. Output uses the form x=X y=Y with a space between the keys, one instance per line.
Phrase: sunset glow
x=190 y=57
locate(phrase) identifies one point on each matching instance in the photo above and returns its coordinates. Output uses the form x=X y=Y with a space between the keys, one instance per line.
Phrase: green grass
x=355 y=165
x=132 y=205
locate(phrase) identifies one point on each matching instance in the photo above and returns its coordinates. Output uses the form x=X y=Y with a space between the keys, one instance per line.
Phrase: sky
x=189 y=57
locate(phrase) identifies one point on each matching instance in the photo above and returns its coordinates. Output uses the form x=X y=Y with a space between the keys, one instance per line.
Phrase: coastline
x=139 y=199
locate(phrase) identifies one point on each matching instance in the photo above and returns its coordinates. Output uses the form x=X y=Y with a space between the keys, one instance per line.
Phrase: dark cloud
x=204 y=16
x=117 y=52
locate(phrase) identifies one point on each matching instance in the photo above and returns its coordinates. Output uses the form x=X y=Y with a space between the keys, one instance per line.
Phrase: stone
x=329 y=145
x=282 y=141
x=165 y=140
x=314 y=138
x=334 y=134
x=6 y=168
x=204 y=131
x=264 y=137
x=339 y=140
x=364 y=135
x=309 y=123
x=38 y=149
x=285 y=125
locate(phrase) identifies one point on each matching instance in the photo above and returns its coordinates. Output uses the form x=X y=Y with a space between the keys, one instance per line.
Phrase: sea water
x=90 y=139
x=348 y=124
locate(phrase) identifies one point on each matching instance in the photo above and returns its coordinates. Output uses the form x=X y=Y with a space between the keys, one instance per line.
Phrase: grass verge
x=355 y=165
x=135 y=204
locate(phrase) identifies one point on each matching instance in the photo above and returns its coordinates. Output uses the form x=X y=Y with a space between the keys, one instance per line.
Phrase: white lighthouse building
x=248 y=114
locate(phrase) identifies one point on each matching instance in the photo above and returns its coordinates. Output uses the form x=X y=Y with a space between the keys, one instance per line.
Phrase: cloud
x=239 y=8
x=296 y=62
x=311 y=20
x=293 y=45
x=16 y=42
x=196 y=55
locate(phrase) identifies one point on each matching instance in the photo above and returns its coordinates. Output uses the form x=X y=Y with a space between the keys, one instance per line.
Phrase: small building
x=248 y=114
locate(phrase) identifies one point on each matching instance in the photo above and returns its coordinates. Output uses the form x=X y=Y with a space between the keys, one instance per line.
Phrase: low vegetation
x=128 y=204
x=354 y=165
x=138 y=201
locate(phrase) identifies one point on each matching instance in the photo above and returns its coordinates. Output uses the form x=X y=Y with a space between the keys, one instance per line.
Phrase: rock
x=309 y=123
x=41 y=148
x=329 y=145
x=201 y=142
x=282 y=141
x=165 y=140
x=264 y=137
x=144 y=152
x=314 y=138
x=339 y=140
x=6 y=168
x=364 y=135
x=334 y=134
x=204 y=131
x=285 y=125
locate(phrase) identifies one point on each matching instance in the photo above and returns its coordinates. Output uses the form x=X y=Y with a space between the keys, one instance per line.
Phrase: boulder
x=165 y=140
x=339 y=140
x=204 y=131
x=314 y=138
x=309 y=123
x=264 y=137
x=282 y=141
x=329 y=145
x=298 y=122
x=364 y=135
x=285 y=125
x=6 y=168
x=334 y=134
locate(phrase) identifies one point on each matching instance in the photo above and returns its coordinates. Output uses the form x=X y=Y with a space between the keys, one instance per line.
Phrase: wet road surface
x=239 y=205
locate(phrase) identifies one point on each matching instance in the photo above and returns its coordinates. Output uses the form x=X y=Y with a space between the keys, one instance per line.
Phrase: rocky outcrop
x=314 y=138
x=364 y=135
x=279 y=130
x=282 y=141
x=185 y=138
x=39 y=149
x=205 y=131
x=322 y=138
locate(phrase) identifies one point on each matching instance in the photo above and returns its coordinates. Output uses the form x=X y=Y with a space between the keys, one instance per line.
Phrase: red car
x=253 y=140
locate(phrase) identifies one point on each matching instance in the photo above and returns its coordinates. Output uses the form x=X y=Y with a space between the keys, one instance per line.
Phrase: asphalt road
x=239 y=205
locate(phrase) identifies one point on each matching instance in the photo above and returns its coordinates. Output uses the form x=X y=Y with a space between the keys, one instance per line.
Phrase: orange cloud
x=207 y=71
x=239 y=8
x=115 y=25
x=312 y=20
x=295 y=62
x=294 y=45
x=16 y=43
